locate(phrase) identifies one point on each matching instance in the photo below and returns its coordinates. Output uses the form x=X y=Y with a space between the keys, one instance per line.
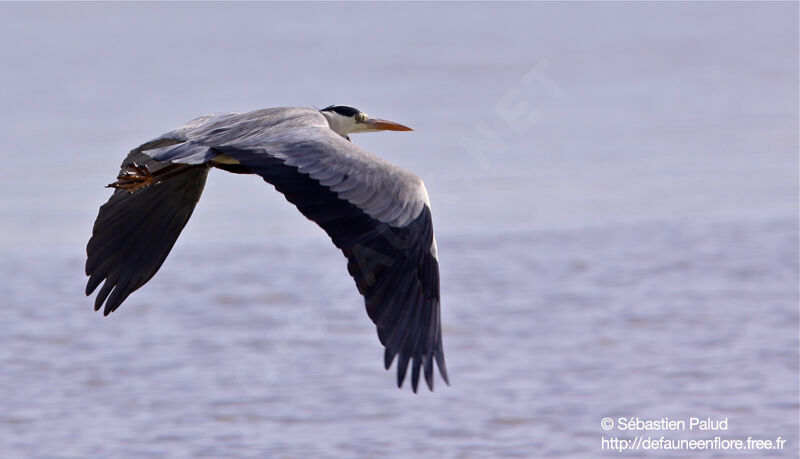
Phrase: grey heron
x=376 y=213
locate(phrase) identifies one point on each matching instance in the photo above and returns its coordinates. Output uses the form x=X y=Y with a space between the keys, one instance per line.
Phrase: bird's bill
x=384 y=125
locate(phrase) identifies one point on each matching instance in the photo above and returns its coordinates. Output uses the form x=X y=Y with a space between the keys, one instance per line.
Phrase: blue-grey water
x=615 y=195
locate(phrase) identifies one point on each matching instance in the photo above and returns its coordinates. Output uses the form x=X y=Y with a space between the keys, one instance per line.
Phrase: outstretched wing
x=378 y=215
x=395 y=267
x=135 y=231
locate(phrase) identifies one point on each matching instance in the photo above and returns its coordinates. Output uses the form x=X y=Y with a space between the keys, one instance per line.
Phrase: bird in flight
x=376 y=213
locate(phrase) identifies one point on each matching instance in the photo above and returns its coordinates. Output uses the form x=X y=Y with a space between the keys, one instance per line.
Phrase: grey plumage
x=377 y=213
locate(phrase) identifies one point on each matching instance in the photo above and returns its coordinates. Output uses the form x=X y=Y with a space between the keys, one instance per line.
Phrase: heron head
x=346 y=120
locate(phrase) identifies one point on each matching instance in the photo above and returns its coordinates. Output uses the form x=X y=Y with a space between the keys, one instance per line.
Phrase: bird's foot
x=134 y=178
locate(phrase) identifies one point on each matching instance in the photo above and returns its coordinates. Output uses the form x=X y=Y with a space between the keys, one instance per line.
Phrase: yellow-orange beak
x=384 y=125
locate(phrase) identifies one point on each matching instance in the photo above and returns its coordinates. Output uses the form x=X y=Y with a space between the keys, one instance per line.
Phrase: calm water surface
x=615 y=195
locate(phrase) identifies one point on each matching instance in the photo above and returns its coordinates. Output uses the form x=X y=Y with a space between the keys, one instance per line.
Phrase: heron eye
x=361 y=117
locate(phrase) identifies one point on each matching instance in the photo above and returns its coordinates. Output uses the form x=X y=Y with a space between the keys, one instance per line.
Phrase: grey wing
x=375 y=212
x=394 y=267
x=135 y=231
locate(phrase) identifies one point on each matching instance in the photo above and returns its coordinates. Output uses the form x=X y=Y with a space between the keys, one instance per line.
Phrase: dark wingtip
x=102 y=294
x=442 y=367
x=429 y=371
x=388 y=358
x=415 y=373
x=402 y=367
x=425 y=364
x=92 y=283
x=114 y=301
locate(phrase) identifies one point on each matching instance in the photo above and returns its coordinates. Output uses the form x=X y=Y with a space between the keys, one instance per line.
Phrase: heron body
x=377 y=213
